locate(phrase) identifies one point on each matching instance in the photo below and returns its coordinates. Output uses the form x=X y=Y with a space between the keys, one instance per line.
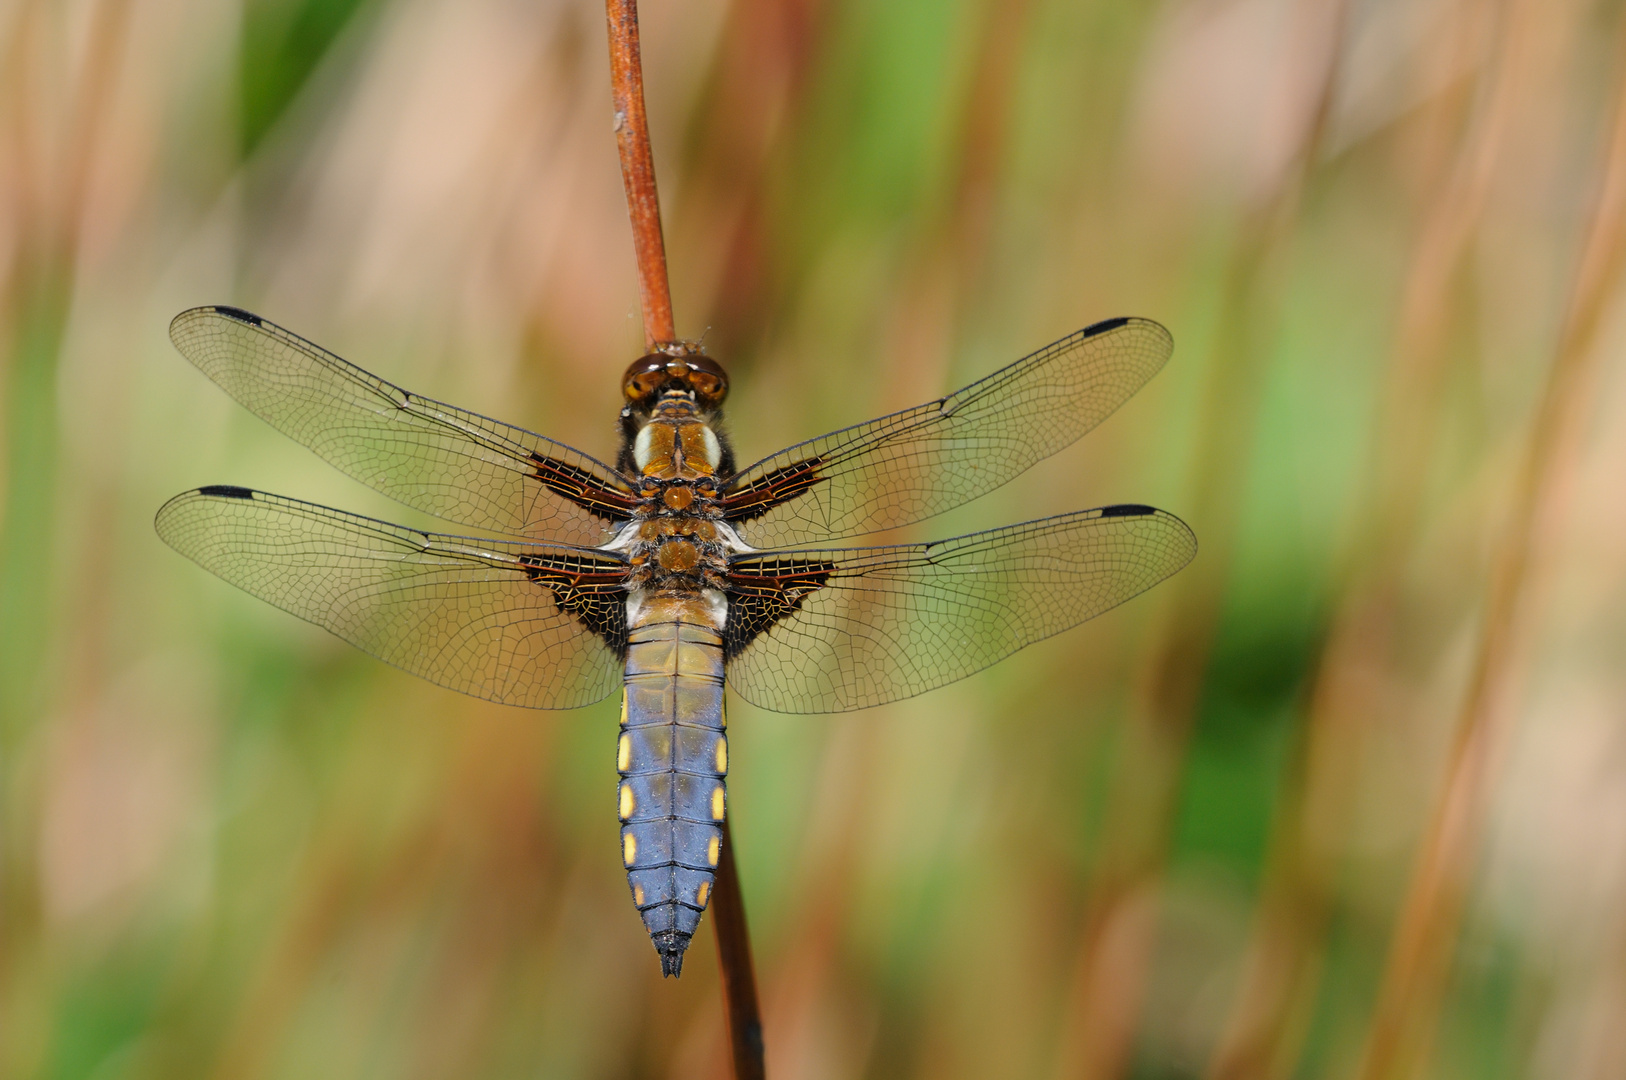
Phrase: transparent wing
x=846 y=628
x=922 y=461
x=506 y=621
x=446 y=461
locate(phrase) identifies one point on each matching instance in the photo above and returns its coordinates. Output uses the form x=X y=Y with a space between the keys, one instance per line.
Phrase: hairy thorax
x=677 y=542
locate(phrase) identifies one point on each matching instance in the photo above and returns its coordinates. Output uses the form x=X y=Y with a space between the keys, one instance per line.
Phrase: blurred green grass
x=233 y=847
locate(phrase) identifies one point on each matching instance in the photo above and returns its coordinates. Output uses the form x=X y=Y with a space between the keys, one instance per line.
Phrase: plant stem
x=638 y=171
x=738 y=974
x=655 y=294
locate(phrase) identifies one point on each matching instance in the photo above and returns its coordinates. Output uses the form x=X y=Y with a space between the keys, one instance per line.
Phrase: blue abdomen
x=672 y=757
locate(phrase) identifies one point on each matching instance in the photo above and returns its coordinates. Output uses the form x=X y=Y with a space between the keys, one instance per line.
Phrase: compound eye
x=644 y=377
x=649 y=375
x=707 y=380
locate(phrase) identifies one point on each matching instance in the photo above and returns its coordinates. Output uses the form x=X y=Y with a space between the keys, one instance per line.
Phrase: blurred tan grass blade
x=757 y=89
x=926 y=321
x=49 y=184
x=1409 y=1002
x=1119 y=922
x=1267 y=1019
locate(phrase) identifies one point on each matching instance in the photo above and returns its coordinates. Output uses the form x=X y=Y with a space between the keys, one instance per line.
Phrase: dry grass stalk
x=49 y=204
x=1119 y=924
x=1263 y=1028
x=1419 y=960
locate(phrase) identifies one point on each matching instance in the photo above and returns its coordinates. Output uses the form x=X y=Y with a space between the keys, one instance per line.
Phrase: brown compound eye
x=701 y=375
x=644 y=377
x=707 y=379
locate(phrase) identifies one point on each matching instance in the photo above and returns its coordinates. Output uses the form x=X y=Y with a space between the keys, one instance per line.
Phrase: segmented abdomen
x=672 y=757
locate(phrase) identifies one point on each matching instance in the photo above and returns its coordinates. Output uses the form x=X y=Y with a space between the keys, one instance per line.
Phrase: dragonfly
x=672 y=572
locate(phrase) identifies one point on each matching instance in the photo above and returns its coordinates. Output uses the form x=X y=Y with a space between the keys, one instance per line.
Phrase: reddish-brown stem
x=638 y=171
x=739 y=976
x=644 y=208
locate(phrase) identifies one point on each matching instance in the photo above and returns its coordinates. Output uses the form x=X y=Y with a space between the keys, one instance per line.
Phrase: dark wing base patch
x=756 y=498
x=761 y=592
x=596 y=599
x=582 y=488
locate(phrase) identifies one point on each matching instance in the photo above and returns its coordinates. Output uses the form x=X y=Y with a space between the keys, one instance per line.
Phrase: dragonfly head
x=680 y=367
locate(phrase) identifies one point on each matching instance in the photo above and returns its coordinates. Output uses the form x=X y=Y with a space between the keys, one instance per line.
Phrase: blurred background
x=1346 y=798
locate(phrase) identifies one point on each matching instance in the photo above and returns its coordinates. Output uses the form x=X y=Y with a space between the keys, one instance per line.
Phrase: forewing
x=520 y=623
x=434 y=457
x=846 y=628
x=913 y=464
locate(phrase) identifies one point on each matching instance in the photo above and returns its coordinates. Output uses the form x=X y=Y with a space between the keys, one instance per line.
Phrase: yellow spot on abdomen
x=717 y=803
x=629 y=849
x=722 y=754
x=701 y=893
x=714 y=849
x=623 y=751
x=638 y=896
x=629 y=802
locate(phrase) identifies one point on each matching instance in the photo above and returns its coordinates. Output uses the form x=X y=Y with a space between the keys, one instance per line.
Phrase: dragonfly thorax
x=678 y=551
x=676 y=443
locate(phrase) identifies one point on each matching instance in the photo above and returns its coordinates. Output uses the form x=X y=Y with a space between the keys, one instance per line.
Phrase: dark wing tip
x=1153 y=514
x=237 y=313
x=1149 y=338
x=227 y=491
x=180 y=322
x=1128 y=510
x=1140 y=510
x=1104 y=325
x=1142 y=330
x=671 y=945
x=184 y=503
